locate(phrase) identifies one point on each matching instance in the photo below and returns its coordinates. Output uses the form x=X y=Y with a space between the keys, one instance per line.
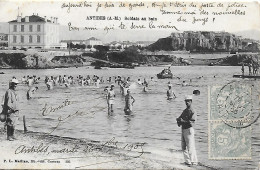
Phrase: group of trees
x=13 y=60
x=130 y=54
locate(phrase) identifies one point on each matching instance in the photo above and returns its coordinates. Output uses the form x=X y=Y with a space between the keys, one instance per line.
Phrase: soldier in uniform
x=186 y=120
x=10 y=108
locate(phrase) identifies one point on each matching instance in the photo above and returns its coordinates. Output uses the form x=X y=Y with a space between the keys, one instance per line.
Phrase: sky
x=246 y=20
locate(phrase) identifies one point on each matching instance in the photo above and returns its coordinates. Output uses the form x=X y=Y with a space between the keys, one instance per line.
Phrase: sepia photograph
x=130 y=84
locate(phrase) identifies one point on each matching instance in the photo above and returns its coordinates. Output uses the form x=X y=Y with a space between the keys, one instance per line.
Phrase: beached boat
x=246 y=76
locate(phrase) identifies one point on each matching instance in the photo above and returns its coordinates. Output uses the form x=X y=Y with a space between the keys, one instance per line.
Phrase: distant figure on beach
x=250 y=68
x=170 y=93
x=186 y=120
x=243 y=69
x=30 y=92
x=255 y=68
x=10 y=109
x=129 y=101
x=111 y=97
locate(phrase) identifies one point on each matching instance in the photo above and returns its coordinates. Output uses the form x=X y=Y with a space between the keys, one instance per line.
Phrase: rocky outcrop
x=205 y=41
x=34 y=61
x=238 y=59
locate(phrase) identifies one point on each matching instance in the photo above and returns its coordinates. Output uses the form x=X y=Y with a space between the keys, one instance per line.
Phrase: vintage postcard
x=129 y=84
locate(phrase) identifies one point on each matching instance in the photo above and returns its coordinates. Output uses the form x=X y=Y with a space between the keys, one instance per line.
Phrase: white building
x=93 y=41
x=34 y=32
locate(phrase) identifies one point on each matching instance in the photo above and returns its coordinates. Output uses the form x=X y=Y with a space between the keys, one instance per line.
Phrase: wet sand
x=56 y=152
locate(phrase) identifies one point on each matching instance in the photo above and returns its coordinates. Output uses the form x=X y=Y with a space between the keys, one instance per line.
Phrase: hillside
x=164 y=44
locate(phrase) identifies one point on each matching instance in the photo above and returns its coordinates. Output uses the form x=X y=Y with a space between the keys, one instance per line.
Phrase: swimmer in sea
x=145 y=89
x=129 y=101
x=30 y=92
x=184 y=83
x=111 y=97
x=139 y=82
x=170 y=93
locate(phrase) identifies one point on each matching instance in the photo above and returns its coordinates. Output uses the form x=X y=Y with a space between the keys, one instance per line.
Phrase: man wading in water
x=111 y=97
x=186 y=121
x=170 y=93
x=129 y=101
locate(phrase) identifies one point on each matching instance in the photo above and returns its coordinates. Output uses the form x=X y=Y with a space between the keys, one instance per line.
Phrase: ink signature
x=105 y=149
x=79 y=113
x=46 y=110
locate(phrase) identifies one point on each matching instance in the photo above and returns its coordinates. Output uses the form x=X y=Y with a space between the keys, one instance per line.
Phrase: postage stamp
x=229 y=121
x=226 y=142
x=230 y=102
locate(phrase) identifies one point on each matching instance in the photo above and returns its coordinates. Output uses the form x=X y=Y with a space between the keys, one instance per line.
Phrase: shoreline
x=51 y=151
x=40 y=61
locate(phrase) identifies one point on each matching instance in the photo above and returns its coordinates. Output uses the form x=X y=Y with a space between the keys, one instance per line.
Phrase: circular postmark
x=235 y=105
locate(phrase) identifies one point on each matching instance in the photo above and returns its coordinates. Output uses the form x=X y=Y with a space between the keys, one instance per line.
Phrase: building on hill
x=93 y=42
x=34 y=32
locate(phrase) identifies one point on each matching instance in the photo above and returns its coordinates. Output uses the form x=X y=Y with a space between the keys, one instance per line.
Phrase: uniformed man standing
x=10 y=108
x=186 y=121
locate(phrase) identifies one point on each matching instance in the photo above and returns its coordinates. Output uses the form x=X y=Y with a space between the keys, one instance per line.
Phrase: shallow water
x=153 y=120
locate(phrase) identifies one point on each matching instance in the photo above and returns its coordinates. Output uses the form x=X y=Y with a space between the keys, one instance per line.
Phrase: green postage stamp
x=230 y=108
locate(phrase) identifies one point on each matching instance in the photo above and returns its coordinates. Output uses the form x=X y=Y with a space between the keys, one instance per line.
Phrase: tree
x=119 y=47
x=101 y=48
x=83 y=46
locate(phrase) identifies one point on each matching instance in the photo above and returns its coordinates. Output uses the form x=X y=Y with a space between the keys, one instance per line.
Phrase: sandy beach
x=41 y=151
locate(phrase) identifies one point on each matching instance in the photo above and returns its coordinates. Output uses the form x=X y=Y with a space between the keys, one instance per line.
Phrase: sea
x=153 y=120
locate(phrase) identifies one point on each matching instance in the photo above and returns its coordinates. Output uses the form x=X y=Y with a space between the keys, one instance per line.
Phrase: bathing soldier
x=170 y=93
x=10 y=108
x=128 y=104
x=111 y=97
x=30 y=92
x=187 y=120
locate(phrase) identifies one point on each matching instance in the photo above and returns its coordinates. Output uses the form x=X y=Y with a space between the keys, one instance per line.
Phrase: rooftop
x=93 y=38
x=33 y=18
